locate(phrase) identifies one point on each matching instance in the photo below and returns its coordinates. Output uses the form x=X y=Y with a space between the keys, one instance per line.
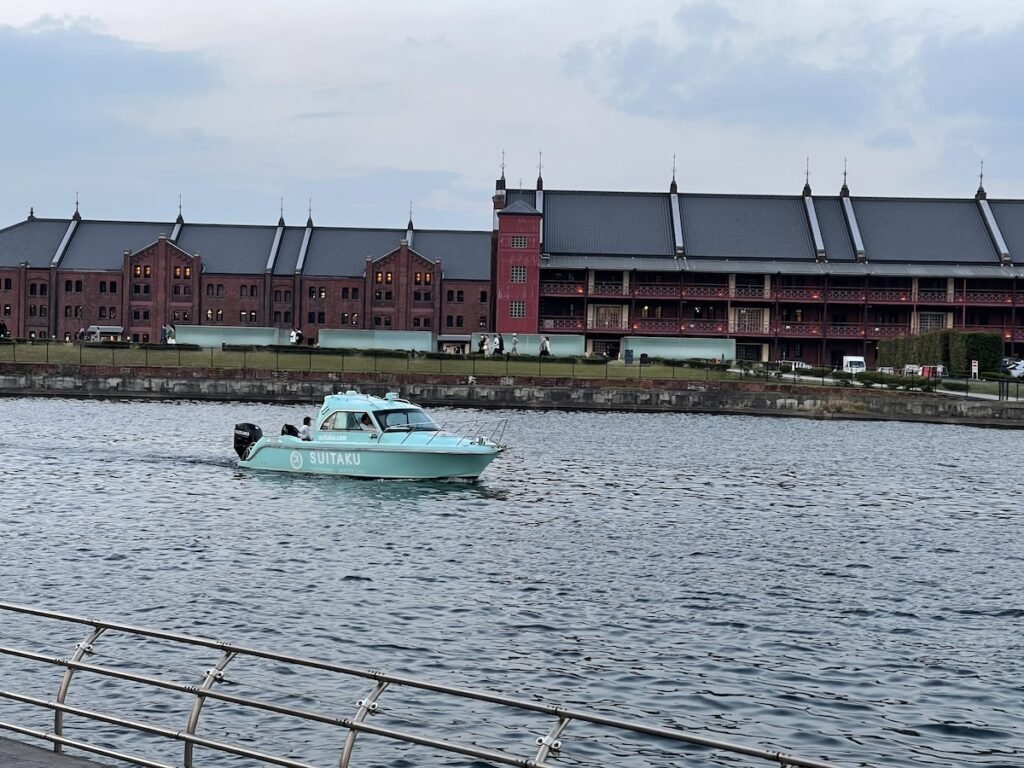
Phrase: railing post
x=367 y=706
x=81 y=650
x=213 y=675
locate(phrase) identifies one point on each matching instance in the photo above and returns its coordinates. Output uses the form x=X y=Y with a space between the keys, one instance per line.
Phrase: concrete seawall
x=693 y=396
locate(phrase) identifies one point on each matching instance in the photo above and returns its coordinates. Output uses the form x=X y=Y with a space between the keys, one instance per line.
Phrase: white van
x=854 y=364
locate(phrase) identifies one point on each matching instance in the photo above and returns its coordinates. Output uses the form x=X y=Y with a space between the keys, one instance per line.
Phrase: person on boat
x=515 y=345
x=306 y=430
x=487 y=345
x=499 y=344
x=545 y=347
x=480 y=344
x=366 y=424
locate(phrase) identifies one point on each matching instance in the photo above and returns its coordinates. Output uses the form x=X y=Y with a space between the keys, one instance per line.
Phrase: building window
x=177 y=273
x=415 y=322
x=277 y=295
x=387 y=321
x=252 y=317
x=458 y=321
x=451 y=297
x=185 y=316
x=931 y=321
x=242 y=315
x=288 y=316
x=209 y=289
x=355 y=318
x=67 y=286
x=517 y=309
x=377 y=320
x=78 y=311
x=459 y=297
x=103 y=286
x=7 y=310
x=32 y=310
x=428 y=278
x=209 y=314
x=113 y=286
x=33 y=290
x=287 y=295
x=518 y=241
x=188 y=272
x=311 y=318
x=389 y=278
x=220 y=315
x=176 y=290
x=312 y=292
x=323 y=293
x=483 y=297
x=355 y=293
x=137 y=270
x=378 y=279
x=244 y=291
x=67 y=311
x=103 y=313
x=321 y=318
x=344 y=293
x=449 y=321
x=220 y=289
x=419 y=278
x=277 y=316
x=483 y=321
x=112 y=313
x=7 y=283
x=518 y=274
x=344 y=318
x=147 y=271
x=426 y=322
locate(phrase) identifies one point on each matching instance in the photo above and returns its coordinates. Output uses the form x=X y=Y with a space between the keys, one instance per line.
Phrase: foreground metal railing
x=548 y=746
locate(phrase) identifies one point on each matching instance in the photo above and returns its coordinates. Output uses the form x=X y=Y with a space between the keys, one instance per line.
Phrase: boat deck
x=15 y=754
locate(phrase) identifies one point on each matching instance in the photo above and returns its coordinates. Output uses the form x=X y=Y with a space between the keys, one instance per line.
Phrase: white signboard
x=974 y=369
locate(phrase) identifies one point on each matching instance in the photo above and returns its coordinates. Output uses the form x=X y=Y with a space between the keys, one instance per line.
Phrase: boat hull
x=377 y=460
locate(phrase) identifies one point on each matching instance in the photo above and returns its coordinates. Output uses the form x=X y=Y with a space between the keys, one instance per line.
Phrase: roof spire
x=410 y=227
x=845 y=190
x=673 y=187
x=981 y=194
x=807 y=178
x=309 y=220
x=180 y=219
x=32 y=214
x=499 y=185
x=280 y=221
x=77 y=216
x=540 y=167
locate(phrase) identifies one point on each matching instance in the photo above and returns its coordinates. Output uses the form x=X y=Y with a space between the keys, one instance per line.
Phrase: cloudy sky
x=368 y=106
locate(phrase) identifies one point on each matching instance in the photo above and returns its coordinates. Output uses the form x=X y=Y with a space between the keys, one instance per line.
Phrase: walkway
x=14 y=754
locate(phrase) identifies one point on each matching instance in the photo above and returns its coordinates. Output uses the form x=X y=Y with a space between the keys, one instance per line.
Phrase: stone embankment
x=693 y=396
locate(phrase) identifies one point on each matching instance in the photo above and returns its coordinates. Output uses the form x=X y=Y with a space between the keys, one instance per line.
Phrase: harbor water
x=847 y=591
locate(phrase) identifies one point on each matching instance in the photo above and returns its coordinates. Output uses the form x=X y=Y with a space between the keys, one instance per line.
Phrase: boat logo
x=296 y=460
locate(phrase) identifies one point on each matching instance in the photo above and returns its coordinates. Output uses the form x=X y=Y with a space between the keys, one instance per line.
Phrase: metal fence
x=519 y=732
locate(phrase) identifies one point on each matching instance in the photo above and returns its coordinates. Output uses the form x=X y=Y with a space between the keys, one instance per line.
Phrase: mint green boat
x=357 y=435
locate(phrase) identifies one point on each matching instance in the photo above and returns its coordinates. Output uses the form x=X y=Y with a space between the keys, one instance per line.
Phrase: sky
x=360 y=111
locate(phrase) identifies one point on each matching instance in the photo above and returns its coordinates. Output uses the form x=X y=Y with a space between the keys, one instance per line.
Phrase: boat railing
x=490 y=430
x=139 y=696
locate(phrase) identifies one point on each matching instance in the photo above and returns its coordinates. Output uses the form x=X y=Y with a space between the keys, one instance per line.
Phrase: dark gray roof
x=1009 y=216
x=834 y=232
x=34 y=241
x=228 y=248
x=288 y=251
x=640 y=263
x=343 y=252
x=528 y=196
x=463 y=255
x=907 y=230
x=100 y=245
x=520 y=207
x=608 y=222
x=745 y=227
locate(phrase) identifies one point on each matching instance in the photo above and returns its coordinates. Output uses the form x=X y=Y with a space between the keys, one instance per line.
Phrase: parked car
x=1017 y=370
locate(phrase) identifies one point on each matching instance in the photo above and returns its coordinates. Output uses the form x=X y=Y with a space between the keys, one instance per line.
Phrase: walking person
x=515 y=345
x=545 y=346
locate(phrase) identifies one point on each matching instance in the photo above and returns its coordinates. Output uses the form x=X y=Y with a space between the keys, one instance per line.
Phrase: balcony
x=563 y=323
x=562 y=288
x=657 y=325
x=657 y=290
x=609 y=289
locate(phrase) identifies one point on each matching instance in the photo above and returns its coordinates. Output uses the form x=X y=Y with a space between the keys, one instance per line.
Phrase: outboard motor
x=290 y=429
x=246 y=435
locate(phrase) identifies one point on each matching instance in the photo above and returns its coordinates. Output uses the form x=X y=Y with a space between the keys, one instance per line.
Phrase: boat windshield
x=401 y=419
